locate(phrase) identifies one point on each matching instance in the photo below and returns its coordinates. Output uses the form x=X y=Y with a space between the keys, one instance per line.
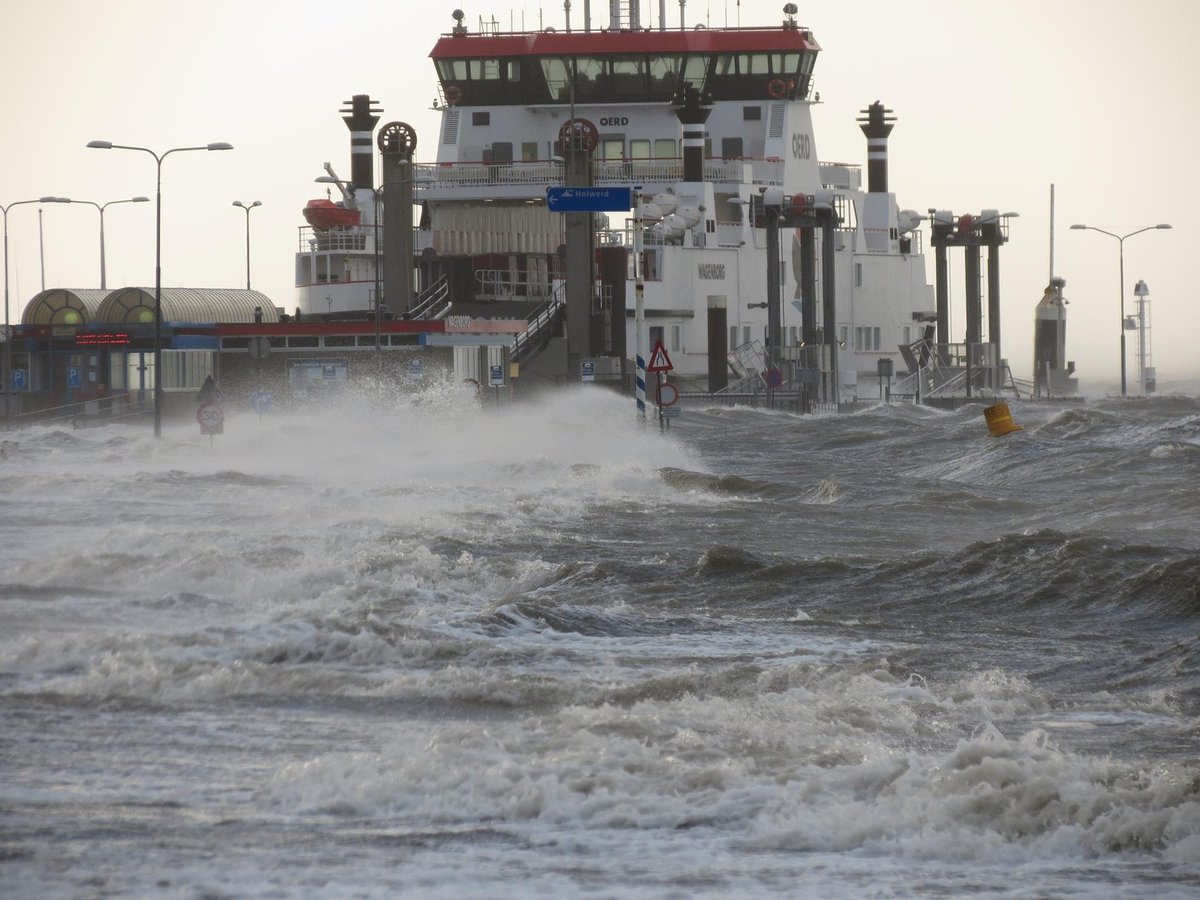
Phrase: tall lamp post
x=158 y=161
x=101 y=207
x=1120 y=238
x=247 y=207
x=7 y=323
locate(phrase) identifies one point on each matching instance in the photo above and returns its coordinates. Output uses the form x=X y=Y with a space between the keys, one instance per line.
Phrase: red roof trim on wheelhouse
x=605 y=43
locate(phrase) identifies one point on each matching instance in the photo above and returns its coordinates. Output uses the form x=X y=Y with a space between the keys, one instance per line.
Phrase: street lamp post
x=247 y=207
x=1120 y=238
x=101 y=207
x=158 y=161
x=7 y=323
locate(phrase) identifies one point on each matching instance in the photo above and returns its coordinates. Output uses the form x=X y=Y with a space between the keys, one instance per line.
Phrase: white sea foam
x=804 y=767
x=462 y=652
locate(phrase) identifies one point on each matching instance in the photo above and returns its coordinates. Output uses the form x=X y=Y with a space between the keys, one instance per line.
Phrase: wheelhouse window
x=612 y=78
x=481 y=81
x=664 y=76
x=751 y=75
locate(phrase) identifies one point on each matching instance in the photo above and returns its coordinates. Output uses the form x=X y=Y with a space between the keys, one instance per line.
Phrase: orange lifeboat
x=327 y=214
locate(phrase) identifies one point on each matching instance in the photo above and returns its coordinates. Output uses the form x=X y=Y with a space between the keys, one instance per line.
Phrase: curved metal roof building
x=134 y=306
x=65 y=306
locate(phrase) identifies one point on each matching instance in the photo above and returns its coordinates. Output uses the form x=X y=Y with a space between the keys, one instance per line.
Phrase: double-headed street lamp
x=1120 y=238
x=158 y=160
x=7 y=324
x=247 y=207
x=101 y=207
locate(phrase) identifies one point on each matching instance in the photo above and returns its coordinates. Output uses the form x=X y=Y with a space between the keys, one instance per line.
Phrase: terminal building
x=91 y=352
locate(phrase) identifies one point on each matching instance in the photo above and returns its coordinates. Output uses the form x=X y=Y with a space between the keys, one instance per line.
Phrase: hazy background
x=995 y=102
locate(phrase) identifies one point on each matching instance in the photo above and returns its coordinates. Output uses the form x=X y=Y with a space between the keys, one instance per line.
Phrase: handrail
x=500 y=283
x=121 y=406
x=543 y=173
x=436 y=295
x=547 y=313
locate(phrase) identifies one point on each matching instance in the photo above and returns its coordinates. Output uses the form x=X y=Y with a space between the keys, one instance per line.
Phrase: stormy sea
x=412 y=646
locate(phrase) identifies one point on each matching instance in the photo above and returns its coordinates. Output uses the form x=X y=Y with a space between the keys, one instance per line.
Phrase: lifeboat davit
x=327 y=214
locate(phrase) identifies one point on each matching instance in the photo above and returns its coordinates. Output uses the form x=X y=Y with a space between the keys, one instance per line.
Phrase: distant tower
x=877 y=123
x=1051 y=373
x=693 y=109
x=360 y=117
x=1146 y=374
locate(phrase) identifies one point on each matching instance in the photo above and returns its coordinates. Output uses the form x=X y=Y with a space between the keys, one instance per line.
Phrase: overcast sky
x=994 y=103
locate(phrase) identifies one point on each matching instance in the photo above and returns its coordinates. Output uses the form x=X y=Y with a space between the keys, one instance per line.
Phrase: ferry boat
x=751 y=262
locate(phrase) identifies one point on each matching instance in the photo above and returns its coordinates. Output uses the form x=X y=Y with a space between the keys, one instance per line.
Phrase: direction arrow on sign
x=659 y=361
x=589 y=199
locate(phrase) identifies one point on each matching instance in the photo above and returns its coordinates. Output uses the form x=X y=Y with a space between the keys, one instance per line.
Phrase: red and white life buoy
x=777 y=88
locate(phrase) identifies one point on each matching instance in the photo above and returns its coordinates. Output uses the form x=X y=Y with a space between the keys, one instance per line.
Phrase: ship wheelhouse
x=549 y=67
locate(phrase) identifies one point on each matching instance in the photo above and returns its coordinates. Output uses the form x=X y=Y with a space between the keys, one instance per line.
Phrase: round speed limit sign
x=211 y=418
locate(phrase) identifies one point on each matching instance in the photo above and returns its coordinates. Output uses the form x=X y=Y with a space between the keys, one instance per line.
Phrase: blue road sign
x=415 y=368
x=73 y=378
x=18 y=379
x=589 y=199
x=260 y=402
x=587 y=370
x=495 y=376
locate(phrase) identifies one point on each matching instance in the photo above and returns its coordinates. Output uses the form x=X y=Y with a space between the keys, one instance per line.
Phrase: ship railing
x=837 y=176
x=945 y=370
x=473 y=174
x=433 y=302
x=347 y=239
x=739 y=170
x=878 y=240
x=500 y=284
x=749 y=362
x=747 y=384
x=535 y=336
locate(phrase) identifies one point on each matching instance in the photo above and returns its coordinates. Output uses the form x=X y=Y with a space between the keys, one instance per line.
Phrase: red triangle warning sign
x=659 y=361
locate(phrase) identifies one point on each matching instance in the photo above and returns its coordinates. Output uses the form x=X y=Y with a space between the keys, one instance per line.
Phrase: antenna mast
x=1052 y=232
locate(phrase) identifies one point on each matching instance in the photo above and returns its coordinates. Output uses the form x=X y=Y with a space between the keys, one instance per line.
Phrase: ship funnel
x=359 y=114
x=877 y=123
x=693 y=113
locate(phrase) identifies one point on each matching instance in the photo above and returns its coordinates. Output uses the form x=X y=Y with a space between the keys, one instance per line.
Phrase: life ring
x=579 y=133
x=453 y=94
x=777 y=88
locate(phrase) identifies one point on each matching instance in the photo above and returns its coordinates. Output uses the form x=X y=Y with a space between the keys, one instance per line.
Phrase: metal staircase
x=542 y=327
x=433 y=302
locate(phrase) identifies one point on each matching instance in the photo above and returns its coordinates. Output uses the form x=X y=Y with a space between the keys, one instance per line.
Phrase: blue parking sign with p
x=73 y=380
x=17 y=380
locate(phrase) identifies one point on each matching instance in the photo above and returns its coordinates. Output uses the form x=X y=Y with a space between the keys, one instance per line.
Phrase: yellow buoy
x=999 y=419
